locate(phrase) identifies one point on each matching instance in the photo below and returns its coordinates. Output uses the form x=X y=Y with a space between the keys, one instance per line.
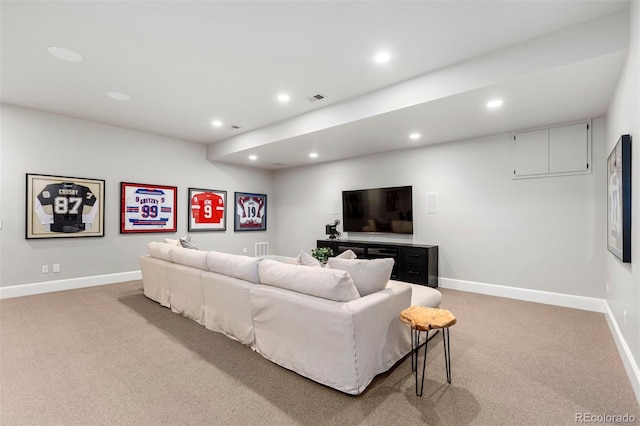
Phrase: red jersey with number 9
x=207 y=207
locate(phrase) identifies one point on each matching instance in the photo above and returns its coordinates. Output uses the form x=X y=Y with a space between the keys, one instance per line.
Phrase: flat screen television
x=386 y=210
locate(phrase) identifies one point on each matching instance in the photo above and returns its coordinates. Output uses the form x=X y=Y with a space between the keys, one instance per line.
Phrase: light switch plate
x=432 y=203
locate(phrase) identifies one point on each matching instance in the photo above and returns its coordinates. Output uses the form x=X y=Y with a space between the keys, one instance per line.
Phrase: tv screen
x=388 y=210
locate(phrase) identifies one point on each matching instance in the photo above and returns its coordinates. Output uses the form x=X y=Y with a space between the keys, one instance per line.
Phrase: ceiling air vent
x=236 y=127
x=314 y=98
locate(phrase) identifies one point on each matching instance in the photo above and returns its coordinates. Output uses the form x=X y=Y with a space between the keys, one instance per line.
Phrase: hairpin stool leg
x=424 y=361
x=447 y=352
x=414 y=361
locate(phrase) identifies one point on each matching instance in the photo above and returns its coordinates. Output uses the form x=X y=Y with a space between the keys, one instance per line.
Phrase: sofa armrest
x=381 y=339
x=155 y=279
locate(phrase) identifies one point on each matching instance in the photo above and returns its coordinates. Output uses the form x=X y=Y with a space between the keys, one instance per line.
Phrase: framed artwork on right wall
x=619 y=199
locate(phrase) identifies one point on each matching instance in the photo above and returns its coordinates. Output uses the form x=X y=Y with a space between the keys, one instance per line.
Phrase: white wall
x=542 y=234
x=37 y=142
x=624 y=118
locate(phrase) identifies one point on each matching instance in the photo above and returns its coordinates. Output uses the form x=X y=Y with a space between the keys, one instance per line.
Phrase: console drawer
x=413 y=254
x=415 y=273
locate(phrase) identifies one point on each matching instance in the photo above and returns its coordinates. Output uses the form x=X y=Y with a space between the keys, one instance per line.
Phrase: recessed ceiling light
x=216 y=123
x=283 y=97
x=414 y=136
x=119 y=96
x=313 y=154
x=382 y=57
x=253 y=157
x=495 y=103
x=65 y=54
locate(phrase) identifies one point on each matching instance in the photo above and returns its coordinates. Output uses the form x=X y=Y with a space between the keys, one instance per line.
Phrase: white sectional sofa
x=311 y=320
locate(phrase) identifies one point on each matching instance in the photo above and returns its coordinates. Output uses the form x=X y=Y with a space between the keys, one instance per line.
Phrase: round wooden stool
x=421 y=318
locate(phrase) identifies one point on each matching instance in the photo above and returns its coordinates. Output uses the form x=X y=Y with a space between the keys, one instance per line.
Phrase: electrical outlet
x=625 y=320
x=244 y=250
x=45 y=269
x=607 y=287
x=56 y=267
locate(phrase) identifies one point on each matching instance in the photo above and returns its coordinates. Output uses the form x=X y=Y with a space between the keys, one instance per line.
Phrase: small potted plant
x=322 y=254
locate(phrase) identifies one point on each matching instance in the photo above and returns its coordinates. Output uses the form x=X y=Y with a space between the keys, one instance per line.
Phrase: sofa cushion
x=193 y=258
x=331 y=284
x=283 y=259
x=234 y=265
x=160 y=250
x=369 y=276
x=306 y=259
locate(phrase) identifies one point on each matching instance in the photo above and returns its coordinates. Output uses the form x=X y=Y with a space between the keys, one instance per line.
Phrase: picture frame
x=619 y=199
x=250 y=212
x=207 y=210
x=63 y=207
x=147 y=208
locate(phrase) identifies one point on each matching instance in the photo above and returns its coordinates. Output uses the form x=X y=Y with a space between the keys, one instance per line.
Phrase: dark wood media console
x=415 y=263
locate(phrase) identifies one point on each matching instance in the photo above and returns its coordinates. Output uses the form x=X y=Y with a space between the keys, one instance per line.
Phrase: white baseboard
x=69 y=284
x=546 y=297
x=630 y=364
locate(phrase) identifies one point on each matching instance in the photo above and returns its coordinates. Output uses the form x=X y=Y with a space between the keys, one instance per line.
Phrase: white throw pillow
x=173 y=242
x=369 y=276
x=306 y=259
x=331 y=284
x=348 y=254
x=188 y=242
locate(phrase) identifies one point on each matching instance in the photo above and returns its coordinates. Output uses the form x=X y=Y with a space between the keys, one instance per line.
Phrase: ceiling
x=186 y=63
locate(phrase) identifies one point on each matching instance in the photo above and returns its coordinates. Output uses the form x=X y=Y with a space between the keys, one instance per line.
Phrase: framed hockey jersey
x=207 y=210
x=250 y=212
x=147 y=208
x=64 y=207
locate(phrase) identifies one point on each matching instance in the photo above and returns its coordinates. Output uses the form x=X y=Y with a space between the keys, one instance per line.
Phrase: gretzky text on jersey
x=250 y=211
x=66 y=207
x=148 y=208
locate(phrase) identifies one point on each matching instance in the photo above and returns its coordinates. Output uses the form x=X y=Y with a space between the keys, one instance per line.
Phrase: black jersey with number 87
x=67 y=201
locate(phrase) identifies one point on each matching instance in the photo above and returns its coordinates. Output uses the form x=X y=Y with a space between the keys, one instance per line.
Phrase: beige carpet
x=108 y=355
